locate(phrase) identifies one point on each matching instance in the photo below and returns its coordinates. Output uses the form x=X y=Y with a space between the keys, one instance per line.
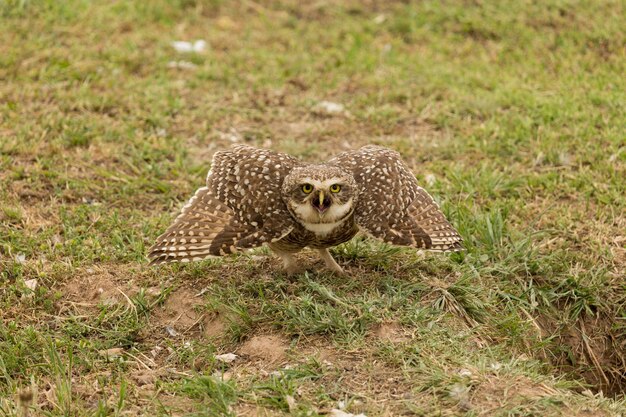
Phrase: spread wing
x=240 y=207
x=391 y=206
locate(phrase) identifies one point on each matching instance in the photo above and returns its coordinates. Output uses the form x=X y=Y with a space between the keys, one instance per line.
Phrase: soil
x=270 y=349
x=590 y=352
x=94 y=286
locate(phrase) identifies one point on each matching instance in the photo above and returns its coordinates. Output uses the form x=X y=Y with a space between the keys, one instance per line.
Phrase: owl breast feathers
x=256 y=196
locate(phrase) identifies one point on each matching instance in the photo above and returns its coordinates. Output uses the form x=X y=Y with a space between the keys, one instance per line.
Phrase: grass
x=512 y=114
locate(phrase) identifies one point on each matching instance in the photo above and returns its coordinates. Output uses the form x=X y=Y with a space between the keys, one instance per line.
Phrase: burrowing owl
x=256 y=196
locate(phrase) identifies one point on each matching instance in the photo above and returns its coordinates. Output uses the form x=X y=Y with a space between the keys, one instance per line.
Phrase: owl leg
x=330 y=262
x=290 y=265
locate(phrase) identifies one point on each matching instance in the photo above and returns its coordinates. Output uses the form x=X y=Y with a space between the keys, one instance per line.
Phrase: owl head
x=318 y=194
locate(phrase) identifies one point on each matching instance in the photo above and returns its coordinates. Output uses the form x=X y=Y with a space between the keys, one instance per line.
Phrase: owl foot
x=330 y=262
x=290 y=265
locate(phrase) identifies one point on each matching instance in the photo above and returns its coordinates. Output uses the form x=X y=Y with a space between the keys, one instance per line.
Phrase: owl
x=257 y=197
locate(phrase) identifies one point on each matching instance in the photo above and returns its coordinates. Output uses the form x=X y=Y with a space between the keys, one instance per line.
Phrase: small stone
x=155 y=351
x=183 y=46
x=171 y=331
x=226 y=357
x=380 y=19
x=31 y=284
x=328 y=108
x=430 y=179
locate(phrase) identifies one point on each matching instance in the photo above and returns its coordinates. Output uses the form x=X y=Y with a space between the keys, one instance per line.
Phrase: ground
x=512 y=114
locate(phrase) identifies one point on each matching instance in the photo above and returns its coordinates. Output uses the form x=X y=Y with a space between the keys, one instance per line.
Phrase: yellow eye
x=307 y=188
x=335 y=188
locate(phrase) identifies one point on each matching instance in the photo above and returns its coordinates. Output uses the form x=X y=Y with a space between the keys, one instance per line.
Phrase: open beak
x=321 y=203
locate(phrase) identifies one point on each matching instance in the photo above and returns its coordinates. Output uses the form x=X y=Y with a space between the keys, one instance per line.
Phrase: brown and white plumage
x=256 y=196
x=239 y=208
x=392 y=206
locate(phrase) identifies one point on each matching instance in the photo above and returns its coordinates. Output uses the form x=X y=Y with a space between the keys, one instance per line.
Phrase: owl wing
x=240 y=207
x=391 y=206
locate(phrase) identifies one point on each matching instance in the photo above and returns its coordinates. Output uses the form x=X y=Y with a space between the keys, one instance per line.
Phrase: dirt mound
x=265 y=348
x=183 y=314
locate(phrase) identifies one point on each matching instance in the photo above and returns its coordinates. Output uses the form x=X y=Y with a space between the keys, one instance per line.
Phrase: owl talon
x=330 y=262
x=338 y=271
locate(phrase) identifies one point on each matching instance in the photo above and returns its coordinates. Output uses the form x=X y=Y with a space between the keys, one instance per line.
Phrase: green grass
x=512 y=114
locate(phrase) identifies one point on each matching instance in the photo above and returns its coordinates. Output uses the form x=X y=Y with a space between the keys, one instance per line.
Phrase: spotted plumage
x=256 y=196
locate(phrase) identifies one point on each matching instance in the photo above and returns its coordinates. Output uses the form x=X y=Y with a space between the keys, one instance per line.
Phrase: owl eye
x=307 y=188
x=335 y=188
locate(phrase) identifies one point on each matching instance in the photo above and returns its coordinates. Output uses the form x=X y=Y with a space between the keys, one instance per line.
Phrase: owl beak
x=321 y=203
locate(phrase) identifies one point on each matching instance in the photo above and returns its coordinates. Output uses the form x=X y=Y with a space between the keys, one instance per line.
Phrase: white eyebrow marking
x=323 y=184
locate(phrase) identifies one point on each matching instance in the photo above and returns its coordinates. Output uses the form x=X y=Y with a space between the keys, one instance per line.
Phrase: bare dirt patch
x=594 y=351
x=490 y=393
x=270 y=349
x=391 y=332
x=181 y=314
x=97 y=285
x=214 y=327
